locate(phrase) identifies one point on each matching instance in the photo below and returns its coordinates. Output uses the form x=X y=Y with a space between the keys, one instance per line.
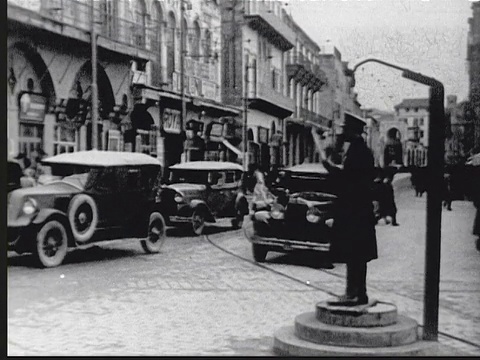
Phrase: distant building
x=388 y=146
x=473 y=58
x=459 y=131
x=415 y=114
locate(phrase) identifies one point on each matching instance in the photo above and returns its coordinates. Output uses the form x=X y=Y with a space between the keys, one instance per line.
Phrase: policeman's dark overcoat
x=354 y=221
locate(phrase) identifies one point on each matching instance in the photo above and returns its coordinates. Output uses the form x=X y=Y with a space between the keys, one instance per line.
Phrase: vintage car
x=98 y=195
x=14 y=174
x=300 y=216
x=202 y=191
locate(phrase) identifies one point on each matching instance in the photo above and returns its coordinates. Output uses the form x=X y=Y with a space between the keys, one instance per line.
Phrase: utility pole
x=94 y=105
x=182 y=65
x=245 y=119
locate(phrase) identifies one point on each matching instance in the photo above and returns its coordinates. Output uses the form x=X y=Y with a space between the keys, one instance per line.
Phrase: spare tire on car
x=83 y=217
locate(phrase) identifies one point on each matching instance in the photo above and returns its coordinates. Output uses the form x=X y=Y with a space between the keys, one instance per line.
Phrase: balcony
x=265 y=98
x=304 y=72
x=72 y=19
x=308 y=115
x=263 y=20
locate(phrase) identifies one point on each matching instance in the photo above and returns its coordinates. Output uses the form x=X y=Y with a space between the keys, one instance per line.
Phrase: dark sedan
x=300 y=217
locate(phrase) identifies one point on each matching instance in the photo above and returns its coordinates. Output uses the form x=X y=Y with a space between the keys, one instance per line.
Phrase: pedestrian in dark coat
x=388 y=208
x=354 y=241
x=447 y=192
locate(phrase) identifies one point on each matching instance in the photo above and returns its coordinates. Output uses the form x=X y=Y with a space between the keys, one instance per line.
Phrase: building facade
x=49 y=67
x=255 y=39
x=414 y=113
x=459 y=132
x=305 y=81
x=473 y=59
x=139 y=62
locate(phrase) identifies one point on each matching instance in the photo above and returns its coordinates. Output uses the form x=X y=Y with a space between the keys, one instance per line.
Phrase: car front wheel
x=198 y=222
x=259 y=252
x=51 y=244
x=156 y=234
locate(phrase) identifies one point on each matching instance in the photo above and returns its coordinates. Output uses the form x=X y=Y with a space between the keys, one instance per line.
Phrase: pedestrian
x=376 y=195
x=262 y=197
x=354 y=239
x=447 y=191
x=388 y=208
x=23 y=160
x=28 y=178
x=474 y=195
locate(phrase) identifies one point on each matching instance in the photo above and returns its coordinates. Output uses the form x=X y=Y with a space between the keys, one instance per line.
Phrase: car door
x=134 y=195
x=104 y=191
x=217 y=194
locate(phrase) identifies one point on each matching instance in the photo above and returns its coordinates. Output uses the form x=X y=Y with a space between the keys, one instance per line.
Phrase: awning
x=233 y=148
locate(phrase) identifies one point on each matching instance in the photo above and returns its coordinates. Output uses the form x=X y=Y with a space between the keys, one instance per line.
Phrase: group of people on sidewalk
x=27 y=172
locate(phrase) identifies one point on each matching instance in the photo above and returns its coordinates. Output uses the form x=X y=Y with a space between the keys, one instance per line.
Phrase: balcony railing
x=264 y=91
x=313 y=117
x=74 y=15
x=263 y=19
x=305 y=71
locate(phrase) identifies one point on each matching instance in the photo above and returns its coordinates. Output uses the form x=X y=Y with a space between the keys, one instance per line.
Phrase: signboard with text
x=171 y=121
x=32 y=107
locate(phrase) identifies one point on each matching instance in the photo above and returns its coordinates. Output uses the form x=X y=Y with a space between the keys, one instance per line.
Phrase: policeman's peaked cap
x=354 y=122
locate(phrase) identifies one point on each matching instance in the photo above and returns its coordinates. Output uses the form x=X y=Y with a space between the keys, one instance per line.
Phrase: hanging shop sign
x=171 y=121
x=32 y=107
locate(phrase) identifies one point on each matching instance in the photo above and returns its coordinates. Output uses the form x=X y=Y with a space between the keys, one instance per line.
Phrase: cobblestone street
x=206 y=296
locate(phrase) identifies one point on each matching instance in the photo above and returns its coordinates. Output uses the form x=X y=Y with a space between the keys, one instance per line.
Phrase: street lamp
x=435 y=165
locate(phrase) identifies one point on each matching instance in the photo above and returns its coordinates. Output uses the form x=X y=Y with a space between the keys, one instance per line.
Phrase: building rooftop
x=413 y=103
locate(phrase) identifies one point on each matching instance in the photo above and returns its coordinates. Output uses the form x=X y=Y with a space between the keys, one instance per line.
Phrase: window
x=421 y=133
x=171 y=45
x=207 y=46
x=421 y=121
x=64 y=140
x=230 y=178
x=196 y=39
x=108 y=14
x=140 y=23
x=31 y=138
x=407 y=109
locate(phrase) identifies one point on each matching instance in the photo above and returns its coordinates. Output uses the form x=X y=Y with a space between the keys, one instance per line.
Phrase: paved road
x=205 y=295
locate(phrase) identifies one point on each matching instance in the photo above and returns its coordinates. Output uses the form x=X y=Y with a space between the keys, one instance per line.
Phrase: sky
x=426 y=36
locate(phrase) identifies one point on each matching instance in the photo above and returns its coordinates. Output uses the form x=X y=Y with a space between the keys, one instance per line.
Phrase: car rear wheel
x=259 y=252
x=51 y=244
x=198 y=222
x=156 y=234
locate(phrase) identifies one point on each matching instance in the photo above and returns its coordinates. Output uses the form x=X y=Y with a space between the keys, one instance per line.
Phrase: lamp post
x=182 y=64
x=94 y=108
x=435 y=163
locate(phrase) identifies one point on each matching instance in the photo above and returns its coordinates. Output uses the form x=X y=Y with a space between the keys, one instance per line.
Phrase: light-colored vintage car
x=203 y=191
x=97 y=196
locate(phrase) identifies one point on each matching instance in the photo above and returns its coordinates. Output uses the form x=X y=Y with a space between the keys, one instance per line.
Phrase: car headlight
x=29 y=207
x=277 y=212
x=313 y=215
x=178 y=198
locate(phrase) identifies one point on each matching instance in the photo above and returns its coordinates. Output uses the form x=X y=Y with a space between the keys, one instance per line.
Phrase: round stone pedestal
x=373 y=314
x=374 y=329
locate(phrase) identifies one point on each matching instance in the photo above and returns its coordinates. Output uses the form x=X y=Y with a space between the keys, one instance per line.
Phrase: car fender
x=200 y=204
x=44 y=214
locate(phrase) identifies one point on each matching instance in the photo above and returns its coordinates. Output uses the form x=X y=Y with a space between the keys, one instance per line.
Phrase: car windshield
x=73 y=175
x=189 y=176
